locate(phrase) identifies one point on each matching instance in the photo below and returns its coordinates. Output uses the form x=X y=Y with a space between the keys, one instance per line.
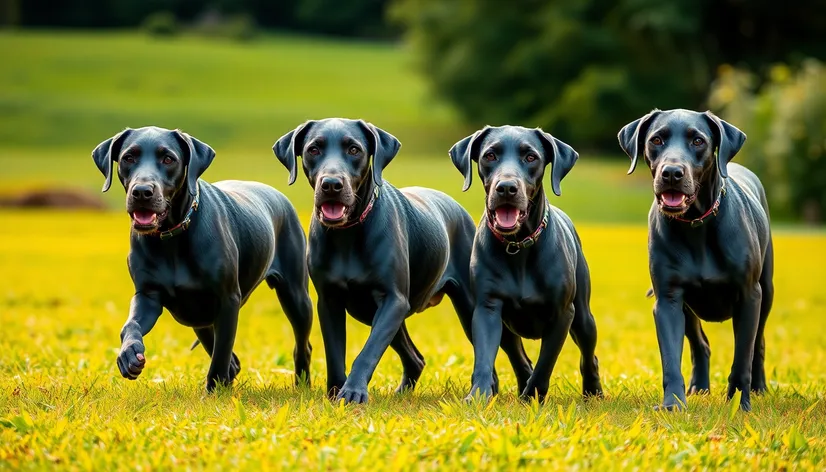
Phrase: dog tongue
x=506 y=216
x=143 y=217
x=332 y=210
x=673 y=199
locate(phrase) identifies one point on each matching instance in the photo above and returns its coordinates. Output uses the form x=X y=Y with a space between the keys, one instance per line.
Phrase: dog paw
x=356 y=395
x=592 y=391
x=131 y=359
x=478 y=392
x=759 y=388
x=669 y=407
x=532 y=391
x=698 y=390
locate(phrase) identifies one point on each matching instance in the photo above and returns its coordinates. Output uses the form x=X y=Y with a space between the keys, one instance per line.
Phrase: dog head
x=679 y=147
x=511 y=162
x=338 y=156
x=154 y=165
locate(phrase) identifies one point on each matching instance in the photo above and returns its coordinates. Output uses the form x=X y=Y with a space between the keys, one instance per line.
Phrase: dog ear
x=106 y=153
x=729 y=141
x=562 y=161
x=465 y=152
x=631 y=135
x=286 y=145
x=199 y=157
x=384 y=145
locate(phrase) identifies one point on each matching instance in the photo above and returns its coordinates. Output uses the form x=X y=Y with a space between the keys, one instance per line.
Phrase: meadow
x=65 y=292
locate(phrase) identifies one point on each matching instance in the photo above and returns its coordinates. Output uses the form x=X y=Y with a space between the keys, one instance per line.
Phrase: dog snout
x=507 y=188
x=143 y=191
x=331 y=185
x=672 y=174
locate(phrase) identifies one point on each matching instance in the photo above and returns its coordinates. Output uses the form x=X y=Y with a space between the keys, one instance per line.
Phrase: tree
x=583 y=68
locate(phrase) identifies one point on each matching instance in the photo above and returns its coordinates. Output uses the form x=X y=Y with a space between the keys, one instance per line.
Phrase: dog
x=200 y=249
x=377 y=252
x=528 y=270
x=710 y=247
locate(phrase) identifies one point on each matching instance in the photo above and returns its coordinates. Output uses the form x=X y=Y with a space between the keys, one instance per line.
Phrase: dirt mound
x=62 y=199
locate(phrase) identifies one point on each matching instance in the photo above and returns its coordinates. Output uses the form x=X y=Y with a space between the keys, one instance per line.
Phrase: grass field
x=65 y=290
x=62 y=402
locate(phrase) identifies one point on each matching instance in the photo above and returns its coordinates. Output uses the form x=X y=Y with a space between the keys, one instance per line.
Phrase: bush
x=160 y=24
x=785 y=120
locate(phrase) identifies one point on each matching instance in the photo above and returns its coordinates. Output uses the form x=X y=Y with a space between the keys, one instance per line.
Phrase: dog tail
x=648 y=294
x=195 y=344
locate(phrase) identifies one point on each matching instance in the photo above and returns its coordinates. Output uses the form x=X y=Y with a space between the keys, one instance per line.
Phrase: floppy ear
x=729 y=141
x=106 y=153
x=465 y=152
x=631 y=135
x=563 y=159
x=385 y=147
x=199 y=157
x=286 y=145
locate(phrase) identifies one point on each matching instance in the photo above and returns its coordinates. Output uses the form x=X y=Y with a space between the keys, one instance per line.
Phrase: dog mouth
x=674 y=202
x=145 y=220
x=332 y=213
x=507 y=218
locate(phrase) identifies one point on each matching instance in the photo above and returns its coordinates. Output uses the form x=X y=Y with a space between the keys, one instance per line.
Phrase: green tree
x=583 y=68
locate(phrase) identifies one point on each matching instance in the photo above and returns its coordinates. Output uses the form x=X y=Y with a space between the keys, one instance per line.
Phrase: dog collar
x=513 y=247
x=367 y=209
x=183 y=225
x=715 y=208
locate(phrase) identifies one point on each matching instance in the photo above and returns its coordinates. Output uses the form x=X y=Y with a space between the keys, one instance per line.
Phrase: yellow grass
x=64 y=293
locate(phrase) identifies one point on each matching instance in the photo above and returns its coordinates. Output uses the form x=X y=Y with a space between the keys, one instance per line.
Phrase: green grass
x=65 y=294
x=63 y=93
x=75 y=89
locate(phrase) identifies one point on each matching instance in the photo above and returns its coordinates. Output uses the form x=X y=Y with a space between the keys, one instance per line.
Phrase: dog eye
x=353 y=151
x=490 y=156
x=128 y=158
x=699 y=141
x=168 y=160
x=657 y=141
x=313 y=151
x=531 y=157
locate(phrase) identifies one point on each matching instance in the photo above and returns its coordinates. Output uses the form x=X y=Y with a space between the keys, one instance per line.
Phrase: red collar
x=715 y=207
x=513 y=247
x=373 y=198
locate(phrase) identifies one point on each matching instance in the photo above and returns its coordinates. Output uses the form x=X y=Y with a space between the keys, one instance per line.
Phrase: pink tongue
x=672 y=199
x=332 y=211
x=144 y=217
x=506 y=216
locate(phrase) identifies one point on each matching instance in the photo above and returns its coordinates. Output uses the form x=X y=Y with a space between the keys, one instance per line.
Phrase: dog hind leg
x=412 y=360
x=700 y=354
x=206 y=337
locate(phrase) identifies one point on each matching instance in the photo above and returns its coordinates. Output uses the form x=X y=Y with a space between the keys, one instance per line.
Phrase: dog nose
x=143 y=191
x=506 y=188
x=331 y=185
x=672 y=174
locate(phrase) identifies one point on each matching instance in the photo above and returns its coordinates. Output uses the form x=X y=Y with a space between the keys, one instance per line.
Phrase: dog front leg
x=487 y=334
x=144 y=312
x=745 y=320
x=391 y=312
x=670 y=323
x=552 y=342
x=226 y=325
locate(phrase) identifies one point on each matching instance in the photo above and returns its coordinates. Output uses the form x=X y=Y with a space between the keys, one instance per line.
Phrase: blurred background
x=239 y=74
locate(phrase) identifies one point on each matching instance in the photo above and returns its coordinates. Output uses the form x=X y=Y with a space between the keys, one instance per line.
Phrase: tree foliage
x=583 y=68
x=785 y=120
